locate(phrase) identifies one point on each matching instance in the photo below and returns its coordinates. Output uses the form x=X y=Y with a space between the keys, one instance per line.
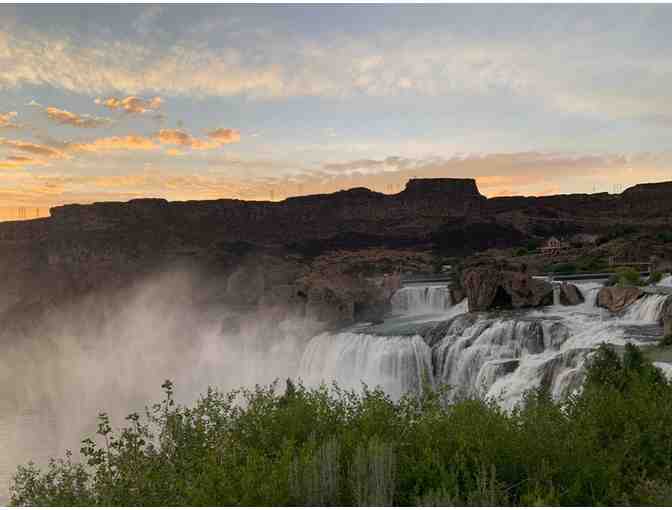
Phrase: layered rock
x=84 y=248
x=494 y=286
x=616 y=299
x=570 y=295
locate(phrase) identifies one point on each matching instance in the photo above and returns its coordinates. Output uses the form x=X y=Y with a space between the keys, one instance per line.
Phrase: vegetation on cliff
x=608 y=446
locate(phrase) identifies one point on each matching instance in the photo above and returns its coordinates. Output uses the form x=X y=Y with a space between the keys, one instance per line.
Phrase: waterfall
x=475 y=353
x=499 y=356
x=422 y=299
x=646 y=309
x=666 y=281
x=396 y=364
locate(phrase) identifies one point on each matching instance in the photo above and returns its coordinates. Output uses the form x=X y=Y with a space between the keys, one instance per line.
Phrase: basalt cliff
x=266 y=251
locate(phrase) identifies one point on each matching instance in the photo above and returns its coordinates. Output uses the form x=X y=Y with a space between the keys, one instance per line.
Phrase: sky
x=114 y=102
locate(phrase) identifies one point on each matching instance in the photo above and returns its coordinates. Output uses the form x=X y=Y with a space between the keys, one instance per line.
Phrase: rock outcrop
x=84 y=248
x=666 y=317
x=496 y=287
x=616 y=299
x=570 y=295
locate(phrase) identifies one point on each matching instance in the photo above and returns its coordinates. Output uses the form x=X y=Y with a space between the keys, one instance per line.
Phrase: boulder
x=667 y=317
x=616 y=299
x=489 y=287
x=341 y=300
x=570 y=295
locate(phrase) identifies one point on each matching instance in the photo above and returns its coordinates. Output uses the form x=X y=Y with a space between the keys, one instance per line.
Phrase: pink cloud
x=131 y=104
x=73 y=119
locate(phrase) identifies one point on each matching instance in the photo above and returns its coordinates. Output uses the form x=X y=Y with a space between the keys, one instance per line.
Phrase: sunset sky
x=263 y=102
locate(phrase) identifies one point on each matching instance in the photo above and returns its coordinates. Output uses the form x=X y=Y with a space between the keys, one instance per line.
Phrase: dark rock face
x=570 y=295
x=616 y=299
x=493 y=287
x=667 y=317
x=83 y=248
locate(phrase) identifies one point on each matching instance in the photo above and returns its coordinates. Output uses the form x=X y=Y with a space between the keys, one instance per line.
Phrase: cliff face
x=84 y=247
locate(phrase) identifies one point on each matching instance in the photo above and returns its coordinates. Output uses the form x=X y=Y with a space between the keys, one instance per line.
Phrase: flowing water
x=427 y=339
x=498 y=356
x=416 y=299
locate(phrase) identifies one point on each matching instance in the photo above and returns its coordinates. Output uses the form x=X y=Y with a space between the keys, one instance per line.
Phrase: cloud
x=12 y=162
x=44 y=151
x=7 y=120
x=73 y=119
x=115 y=143
x=225 y=135
x=131 y=104
x=215 y=139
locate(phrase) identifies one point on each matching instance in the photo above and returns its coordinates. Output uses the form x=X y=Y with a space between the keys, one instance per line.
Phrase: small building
x=553 y=246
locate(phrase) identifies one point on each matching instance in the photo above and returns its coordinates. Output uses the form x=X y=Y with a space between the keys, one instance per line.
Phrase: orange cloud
x=114 y=143
x=131 y=104
x=73 y=119
x=7 y=120
x=216 y=138
x=19 y=162
x=225 y=135
x=33 y=148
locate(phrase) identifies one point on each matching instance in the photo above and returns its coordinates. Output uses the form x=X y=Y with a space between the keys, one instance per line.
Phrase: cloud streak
x=72 y=119
x=7 y=120
x=215 y=138
x=131 y=104
x=36 y=149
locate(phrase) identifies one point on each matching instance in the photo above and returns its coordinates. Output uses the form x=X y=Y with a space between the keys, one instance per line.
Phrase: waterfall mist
x=111 y=352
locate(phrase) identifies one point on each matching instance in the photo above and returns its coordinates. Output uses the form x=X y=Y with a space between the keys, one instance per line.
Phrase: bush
x=616 y=232
x=562 y=268
x=655 y=278
x=666 y=341
x=627 y=277
x=262 y=447
x=664 y=237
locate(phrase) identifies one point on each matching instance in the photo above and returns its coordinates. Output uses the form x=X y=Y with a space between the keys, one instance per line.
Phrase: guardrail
x=426 y=278
x=583 y=276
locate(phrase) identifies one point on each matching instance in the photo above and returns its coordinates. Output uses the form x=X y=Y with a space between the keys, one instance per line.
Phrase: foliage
x=664 y=237
x=655 y=278
x=584 y=264
x=616 y=232
x=562 y=268
x=610 y=445
x=627 y=277
x=666 y=341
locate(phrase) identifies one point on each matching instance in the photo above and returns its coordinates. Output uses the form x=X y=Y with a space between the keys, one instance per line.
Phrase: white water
x=496 y=356
x=417 y=299
x=397 y=364
x=646 y=309
x=666 y=281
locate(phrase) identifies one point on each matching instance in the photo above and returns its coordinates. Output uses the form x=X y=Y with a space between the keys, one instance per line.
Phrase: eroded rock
x=616 y=299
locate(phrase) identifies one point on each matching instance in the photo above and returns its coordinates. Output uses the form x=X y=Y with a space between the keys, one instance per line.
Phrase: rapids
x=495 y=355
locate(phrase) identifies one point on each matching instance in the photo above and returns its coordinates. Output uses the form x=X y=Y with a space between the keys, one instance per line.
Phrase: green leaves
x=611 y=445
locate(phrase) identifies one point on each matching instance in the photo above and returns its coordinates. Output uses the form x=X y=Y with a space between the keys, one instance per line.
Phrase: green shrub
x=666 y=341
x=664 y=237
x=655 y=278
x=562 y=268
x=262 y=447
x=627 y=277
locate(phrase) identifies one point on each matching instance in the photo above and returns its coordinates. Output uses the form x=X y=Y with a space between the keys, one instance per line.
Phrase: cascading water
x=666 y=281
x=496 y=356
x=647 y=309
x=422 y=299
x=397 y=364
